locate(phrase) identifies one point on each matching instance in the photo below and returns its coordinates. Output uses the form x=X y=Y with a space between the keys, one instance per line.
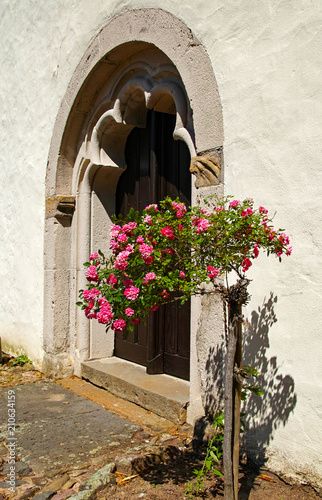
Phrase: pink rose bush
x=170 y=249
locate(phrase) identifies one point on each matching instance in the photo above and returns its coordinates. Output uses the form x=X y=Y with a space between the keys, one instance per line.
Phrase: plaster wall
x=267 y=63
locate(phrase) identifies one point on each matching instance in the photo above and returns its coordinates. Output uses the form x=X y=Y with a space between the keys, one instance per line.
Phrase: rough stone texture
x=164 y=395
x=58 y=427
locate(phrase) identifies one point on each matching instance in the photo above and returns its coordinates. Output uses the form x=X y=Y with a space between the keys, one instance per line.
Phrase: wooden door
x=157 y=166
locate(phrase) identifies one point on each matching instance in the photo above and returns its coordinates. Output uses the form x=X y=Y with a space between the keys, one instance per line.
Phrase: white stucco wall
x=267 y=62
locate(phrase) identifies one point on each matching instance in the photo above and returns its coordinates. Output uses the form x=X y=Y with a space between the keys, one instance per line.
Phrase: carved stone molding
x=207 y=169
x=60 y=207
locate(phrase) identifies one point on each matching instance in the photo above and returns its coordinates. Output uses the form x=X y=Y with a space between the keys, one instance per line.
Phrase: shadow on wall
x=263 y=414
x=266 y=413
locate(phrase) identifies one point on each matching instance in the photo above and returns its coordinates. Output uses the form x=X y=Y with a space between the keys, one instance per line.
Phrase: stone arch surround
x=100 y=107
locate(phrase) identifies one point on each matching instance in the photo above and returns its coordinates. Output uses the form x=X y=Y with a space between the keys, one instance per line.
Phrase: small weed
x=213 y=455
x=21 y=360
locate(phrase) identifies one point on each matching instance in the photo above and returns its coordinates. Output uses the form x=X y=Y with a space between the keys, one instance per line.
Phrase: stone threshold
x=162 y=394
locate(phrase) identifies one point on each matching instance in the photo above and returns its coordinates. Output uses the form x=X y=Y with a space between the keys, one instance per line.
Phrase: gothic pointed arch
x=133 y=65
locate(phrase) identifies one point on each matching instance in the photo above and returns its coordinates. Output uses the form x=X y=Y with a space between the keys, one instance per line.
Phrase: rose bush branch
x=169 y=250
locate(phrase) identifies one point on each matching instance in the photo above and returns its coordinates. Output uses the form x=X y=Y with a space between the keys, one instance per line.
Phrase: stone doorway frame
x=68 y=189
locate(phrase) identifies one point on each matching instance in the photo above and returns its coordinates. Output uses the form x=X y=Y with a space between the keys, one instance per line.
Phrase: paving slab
x=56 y=428
x=162 y=394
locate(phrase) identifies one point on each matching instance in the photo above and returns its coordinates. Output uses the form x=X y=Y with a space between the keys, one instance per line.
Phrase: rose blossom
x=122 y=238
x=114 y=231
x=246 y=212
x=256 y=251
x=262 y=210
x=127 y=282
x=94 y=256
x=131 y=293
x=145 y=250
x=119 y=325
x=111 y=280
x=148 y=219
x=203 y=225
x=168 y=233
x=149 y=277
x=140 y=239
x=129 y=311
x=89 y=311
x=91 y=294
x=212 y=272
x=246 y=264
x=91 y=274
x=182 y=274
x=234 y=203
x=105 y=315
x=129 y=227
x=114 y=245
x=154 y=205
x=121 y=260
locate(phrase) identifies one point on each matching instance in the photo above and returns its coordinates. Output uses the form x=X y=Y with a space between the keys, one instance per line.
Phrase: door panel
x=157 y=166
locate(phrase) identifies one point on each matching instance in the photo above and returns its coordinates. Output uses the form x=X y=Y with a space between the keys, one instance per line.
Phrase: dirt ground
x=165 y=478
x=170 y=481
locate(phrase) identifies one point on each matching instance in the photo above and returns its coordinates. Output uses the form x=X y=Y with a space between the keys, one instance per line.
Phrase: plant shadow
x=263 y=414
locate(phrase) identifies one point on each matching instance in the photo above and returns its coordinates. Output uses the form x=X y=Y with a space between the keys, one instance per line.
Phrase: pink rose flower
x=122 y=238
x=94 y=256
x=203 y=225
x=129 y=227
x=127 y=282
x=234 y=203
x=145 y=250
x=246 y=212
x=262 y=210
x=89 y=311
x=154 y=206
x=140 y=239
x=114 y=245
x=121 y=260
x=105 y=315
x=114 y=231
x=168 y=233
x=129 y=311
x=119 y=325
x=131 y=293
x=91 y=273
x=111 y=280
x=90 y=295
x=148 y=219
x=182 y=274
x=149 y=259
x=129 y=248
x=212 y=272
x=101 y=301
x=149 y=277
x=256 y=251
x=246 y=264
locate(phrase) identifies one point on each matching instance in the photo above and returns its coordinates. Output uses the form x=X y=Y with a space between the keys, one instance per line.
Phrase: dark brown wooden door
x=157 y=166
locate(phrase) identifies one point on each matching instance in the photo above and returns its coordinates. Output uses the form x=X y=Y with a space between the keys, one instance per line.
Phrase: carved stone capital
x=206 y=168
x=60 y=207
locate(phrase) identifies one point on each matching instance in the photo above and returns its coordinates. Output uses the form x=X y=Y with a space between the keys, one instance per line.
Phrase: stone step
x=162 y=394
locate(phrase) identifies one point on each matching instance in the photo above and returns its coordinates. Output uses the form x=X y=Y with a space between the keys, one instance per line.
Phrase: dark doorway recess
x=157 y=166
